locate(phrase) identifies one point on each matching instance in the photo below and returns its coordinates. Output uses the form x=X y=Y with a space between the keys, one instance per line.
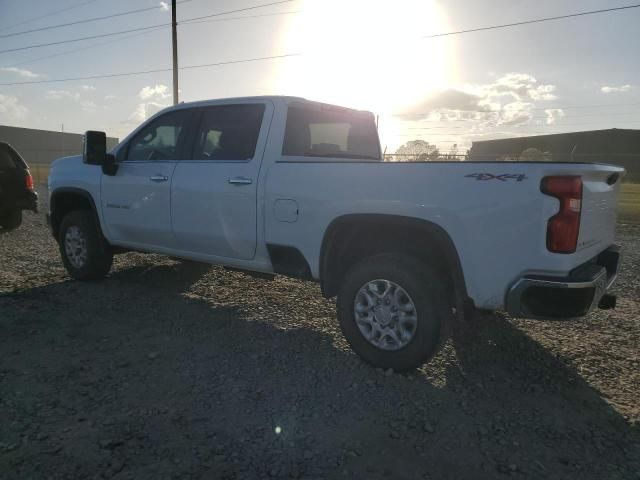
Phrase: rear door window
x=326 y=131
x=228 y=132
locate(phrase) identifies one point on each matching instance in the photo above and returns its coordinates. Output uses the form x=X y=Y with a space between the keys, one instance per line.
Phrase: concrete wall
x=43 y=146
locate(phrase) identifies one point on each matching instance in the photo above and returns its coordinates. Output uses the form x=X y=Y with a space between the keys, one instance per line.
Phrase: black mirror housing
x=109 y=165
x=94 y=147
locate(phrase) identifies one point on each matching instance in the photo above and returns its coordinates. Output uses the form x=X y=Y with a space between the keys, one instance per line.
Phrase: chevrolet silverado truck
x=283 y=185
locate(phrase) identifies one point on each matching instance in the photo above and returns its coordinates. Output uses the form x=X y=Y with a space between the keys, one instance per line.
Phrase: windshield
x=314 y=131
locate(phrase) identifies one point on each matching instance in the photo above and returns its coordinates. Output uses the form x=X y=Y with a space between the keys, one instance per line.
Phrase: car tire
x=401 y=330
x=10 y=220
x=85 y=252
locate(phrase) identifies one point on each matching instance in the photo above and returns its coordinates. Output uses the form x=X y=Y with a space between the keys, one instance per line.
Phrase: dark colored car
x=16 y=188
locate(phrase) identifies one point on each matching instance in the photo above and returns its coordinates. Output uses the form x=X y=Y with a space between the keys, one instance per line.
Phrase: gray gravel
x=174 y=370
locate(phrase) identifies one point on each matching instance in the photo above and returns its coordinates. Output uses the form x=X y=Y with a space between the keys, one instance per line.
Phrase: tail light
x=28 y=181
x=564 y=226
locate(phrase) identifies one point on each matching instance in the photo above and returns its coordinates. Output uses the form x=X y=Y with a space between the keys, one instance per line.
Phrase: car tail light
x=564 y=226
x=28 y=181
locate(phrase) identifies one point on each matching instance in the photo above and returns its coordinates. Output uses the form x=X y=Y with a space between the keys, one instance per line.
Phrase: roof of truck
x=275 y=98
x=255 y=97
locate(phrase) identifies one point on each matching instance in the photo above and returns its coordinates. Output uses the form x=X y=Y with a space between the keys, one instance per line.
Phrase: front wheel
x=392 y=309
x=85 y=253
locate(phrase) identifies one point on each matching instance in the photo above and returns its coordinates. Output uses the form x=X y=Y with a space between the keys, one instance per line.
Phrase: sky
x=566 y=75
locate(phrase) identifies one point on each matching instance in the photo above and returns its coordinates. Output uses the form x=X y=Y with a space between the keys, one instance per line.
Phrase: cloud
x=76 y=96
x=11 y=109
x=520 y=86
x=516 y=113
x=164 y=6
x=610 y=89
x=145 y=110
x=61 y=94
x=154 y=97
x=110 y=97
x=159 y=91
x=21 y=72
x=488 y=110
x=506 y=101
x=88 y=105
x=553 y=115
x=443 y=101
x=543 y=92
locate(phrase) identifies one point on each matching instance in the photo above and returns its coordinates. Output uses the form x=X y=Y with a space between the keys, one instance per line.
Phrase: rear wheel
x=85 y=253
x=10 y=220
x=392 y=309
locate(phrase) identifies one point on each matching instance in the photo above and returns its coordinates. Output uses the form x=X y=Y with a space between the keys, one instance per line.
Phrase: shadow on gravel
x=134 y=378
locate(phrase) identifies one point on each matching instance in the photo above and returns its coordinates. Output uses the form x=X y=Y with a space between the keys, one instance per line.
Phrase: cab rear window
x=330 y=132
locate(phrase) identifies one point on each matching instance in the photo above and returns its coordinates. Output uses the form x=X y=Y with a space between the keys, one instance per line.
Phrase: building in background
x=44 y=146
x=614 y=146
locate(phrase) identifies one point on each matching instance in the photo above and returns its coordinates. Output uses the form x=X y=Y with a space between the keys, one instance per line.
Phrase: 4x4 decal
x=503 y=177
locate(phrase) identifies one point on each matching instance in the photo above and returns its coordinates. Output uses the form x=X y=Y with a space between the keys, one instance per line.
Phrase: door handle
x=240 y=181
x=158 y=178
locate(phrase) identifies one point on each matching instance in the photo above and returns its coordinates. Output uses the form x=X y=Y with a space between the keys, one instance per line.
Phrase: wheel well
x=65 y=201
x=351 y=238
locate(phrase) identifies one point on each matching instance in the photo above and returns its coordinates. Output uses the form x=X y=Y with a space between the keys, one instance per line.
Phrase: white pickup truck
x=282 y=185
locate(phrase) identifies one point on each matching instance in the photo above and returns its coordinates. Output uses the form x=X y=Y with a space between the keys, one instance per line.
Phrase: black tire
x=424 y=288
x=10 y=220
x=98 y=252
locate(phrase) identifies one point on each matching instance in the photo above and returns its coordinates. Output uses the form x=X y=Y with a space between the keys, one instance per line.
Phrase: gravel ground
x=175 y=370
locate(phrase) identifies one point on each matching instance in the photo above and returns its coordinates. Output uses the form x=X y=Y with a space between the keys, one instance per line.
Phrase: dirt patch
x=175 y=370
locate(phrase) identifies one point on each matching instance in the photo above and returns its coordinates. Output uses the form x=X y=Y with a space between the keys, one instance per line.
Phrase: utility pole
x=174 y=41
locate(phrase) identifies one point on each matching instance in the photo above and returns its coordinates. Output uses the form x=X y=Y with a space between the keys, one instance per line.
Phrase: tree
x=452 y=155
x=417 y=150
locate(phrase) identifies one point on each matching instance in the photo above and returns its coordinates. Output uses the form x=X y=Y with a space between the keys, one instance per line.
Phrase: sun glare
x=366 y=54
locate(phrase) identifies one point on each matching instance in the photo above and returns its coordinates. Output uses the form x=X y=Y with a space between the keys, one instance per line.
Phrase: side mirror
x=94 y=147
x=94 y=152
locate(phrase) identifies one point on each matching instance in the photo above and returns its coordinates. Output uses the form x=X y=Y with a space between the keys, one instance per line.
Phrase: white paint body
x=497 y=227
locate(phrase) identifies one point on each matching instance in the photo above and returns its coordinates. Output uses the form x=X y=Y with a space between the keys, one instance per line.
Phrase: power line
x=542 y=118
x=492 y=27
x=188 y=20
x=241 y=18
x=109 y=42
x=553 y=107
x=143 y=72
x=87 y=47
x=196 y=19
x=467 y=134
x=537 y=20
x=78 y=39
x=86 y=20
x=51 y=14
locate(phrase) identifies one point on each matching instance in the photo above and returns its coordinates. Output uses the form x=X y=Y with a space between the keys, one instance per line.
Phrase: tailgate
x=600 y=189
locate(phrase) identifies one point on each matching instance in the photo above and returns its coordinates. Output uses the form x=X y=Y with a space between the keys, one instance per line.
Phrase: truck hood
x=67 y=161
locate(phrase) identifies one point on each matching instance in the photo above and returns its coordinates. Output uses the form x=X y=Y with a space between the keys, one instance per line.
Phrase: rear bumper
x=536 y=296
x=28 y=202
